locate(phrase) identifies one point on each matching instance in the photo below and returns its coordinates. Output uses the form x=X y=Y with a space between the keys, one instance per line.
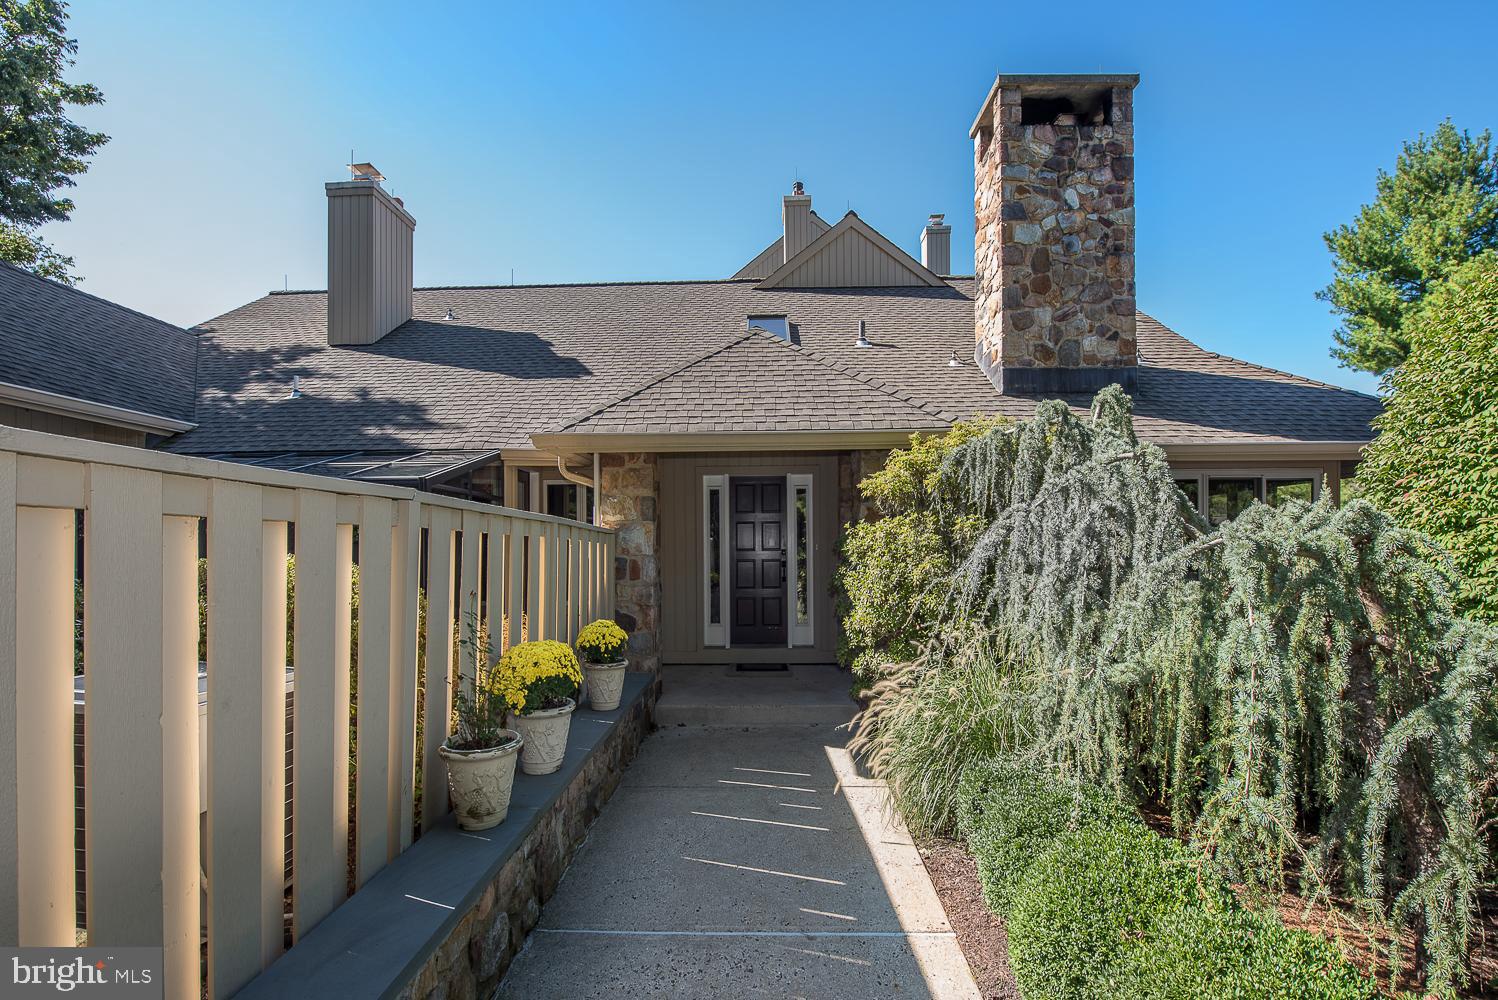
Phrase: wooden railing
x=146 y=518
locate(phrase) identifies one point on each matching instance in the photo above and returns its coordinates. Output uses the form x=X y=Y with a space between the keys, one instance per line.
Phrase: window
x=714 y=558
x=776 y=326
x=802 y=599
x=1223 y=495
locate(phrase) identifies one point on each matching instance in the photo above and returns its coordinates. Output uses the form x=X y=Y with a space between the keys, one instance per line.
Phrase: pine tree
x=1438 y=209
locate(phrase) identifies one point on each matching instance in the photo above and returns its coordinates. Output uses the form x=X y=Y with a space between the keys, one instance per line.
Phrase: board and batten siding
x=369 y=263
x=57 y=423
x=681 y=552
x=851 y=260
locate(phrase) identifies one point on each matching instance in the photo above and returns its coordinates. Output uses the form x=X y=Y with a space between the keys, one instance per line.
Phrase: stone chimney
x=795 y=213
x=1054 y=255
x=369 y=259
x=936 y=245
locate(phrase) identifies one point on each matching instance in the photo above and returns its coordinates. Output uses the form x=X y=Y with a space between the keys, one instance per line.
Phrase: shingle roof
x=523 y=360
x=60 y=340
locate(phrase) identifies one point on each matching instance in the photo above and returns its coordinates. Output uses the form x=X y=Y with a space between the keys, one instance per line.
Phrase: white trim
x=715 y=635
x=71 y=406
x=800 y=633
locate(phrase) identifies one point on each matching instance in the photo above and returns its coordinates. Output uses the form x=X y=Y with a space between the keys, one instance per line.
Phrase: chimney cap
x=365 y=172
x=797 y=188
x=1051 y=85
x=935 y=219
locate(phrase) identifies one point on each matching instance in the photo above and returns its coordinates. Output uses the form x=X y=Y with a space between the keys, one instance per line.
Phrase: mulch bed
x=980 y=933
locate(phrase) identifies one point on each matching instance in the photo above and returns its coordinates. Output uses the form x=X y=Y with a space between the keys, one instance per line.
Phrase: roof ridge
x=1304 y=379
x=97 y=298
x=540 y=284
x=649 y=383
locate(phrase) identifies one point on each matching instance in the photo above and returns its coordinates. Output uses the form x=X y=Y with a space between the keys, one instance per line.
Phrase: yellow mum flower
x=532 y=676
x=601 y=641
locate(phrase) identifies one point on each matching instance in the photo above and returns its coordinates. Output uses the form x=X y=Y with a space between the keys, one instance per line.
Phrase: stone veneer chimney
x=795 y=213
x=369 y=259
x=936 y=245
x=1054 y=256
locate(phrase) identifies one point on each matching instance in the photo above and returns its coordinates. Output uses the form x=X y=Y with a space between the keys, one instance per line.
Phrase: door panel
x=759 y=591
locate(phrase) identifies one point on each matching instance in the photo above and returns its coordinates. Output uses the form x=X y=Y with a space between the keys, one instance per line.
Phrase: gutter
x=86 y=409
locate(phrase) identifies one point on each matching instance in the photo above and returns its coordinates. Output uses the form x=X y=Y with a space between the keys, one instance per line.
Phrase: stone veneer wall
x=470 y=963
x=630 y=504
x=1055 y=243
x=852 y=468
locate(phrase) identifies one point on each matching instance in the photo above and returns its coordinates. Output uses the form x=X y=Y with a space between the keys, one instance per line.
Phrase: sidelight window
x=714 y=558
x=801 y=553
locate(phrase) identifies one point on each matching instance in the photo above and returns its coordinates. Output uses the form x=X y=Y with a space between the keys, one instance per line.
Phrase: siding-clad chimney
x=369 y=259
x=795 y=212
x=936 y=245
x=1054 y=256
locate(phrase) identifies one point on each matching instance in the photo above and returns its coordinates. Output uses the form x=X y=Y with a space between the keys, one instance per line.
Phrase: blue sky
x=647 y=141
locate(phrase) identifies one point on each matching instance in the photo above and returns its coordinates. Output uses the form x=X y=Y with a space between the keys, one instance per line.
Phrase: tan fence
x=144 y=516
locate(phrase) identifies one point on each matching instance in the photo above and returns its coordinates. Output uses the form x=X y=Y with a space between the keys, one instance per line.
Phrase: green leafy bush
x=1434 y=464
x=892 y=577
x=1010 y=814
x=1093 y=896
x=1236 y=955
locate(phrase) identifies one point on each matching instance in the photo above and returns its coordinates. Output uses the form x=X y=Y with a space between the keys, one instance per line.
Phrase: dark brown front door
x=758 y=538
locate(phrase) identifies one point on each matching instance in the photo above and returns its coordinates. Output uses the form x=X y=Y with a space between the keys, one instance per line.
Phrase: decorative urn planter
x=545 y=734
x=605 y=684
x=481 y=781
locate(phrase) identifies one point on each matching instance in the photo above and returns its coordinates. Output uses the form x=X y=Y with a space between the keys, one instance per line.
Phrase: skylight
x=775 y=326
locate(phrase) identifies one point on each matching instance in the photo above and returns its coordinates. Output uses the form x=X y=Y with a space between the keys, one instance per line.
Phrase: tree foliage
x=1294 y=685
x=42 y=150
x=888 y=580
x=1438 y=209
x=1434 y=464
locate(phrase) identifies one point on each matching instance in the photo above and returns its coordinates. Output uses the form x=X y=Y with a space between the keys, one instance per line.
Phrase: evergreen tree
x=1438 y=209
x=41 y=149
x=1434 y=464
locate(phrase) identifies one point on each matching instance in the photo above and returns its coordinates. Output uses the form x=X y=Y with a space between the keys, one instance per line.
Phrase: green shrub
x=1011 y=814
x=1237 y=955
x=1093 y=896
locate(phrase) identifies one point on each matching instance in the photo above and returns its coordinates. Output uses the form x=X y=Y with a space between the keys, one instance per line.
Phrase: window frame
x=1203 y=478
x=714 y=635
x=800 y=633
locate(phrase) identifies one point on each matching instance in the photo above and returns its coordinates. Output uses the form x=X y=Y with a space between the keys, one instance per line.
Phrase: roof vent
x=296 y=387
x=449 y=316
x=863 y=335
x=955 y=361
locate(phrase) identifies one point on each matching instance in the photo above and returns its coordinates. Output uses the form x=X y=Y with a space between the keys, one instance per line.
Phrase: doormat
x=761 y=668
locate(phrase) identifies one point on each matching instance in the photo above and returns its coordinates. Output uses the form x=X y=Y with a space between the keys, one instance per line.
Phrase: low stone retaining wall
x=445 y=918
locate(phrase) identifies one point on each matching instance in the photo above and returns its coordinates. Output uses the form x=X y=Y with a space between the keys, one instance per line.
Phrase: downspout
x=573 y=477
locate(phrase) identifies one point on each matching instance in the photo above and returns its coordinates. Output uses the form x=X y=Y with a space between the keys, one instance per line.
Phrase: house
x=721 y=425
x=72 y=363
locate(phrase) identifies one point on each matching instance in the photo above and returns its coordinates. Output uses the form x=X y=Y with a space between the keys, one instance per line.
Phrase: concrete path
x=744 y=863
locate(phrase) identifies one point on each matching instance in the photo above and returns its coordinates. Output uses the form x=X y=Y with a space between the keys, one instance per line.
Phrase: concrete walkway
x=744 y=863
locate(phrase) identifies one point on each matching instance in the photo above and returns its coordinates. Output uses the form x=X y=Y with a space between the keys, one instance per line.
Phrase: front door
x=758 y=557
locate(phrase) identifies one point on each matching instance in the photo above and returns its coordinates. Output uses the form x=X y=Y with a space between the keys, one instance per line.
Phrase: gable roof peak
x=851 y=254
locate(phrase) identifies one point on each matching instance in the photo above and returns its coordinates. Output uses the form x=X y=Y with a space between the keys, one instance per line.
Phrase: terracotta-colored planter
x=481 y=782
x=545 y=735
x=605 y=684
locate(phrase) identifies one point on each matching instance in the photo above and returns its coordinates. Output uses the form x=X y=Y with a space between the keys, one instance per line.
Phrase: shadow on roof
x=513 y=353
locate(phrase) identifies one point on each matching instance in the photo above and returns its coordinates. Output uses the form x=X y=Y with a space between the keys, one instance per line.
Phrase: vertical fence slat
x=10 y=905
x=436 y=698
x=44 y=724
x=550 y=566
x=534 y=618
x=236 y=728
x=404 y=586
x=495 y=610
x=122 y=713
x=575 y=585
x=179 y=729
x=372 y=834
x=515 y=546
x=272 y=739
x=468 y=590
x=610 y=572
x=317 y=729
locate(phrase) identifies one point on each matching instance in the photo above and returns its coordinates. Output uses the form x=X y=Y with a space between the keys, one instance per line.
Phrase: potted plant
x=539 y=682
x=480 y=753
x=601 y=646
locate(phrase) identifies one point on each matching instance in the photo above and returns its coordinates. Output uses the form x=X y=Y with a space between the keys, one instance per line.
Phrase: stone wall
x=470 y=963
x=852 y=468
x=1055 y=239
x=630 y=504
